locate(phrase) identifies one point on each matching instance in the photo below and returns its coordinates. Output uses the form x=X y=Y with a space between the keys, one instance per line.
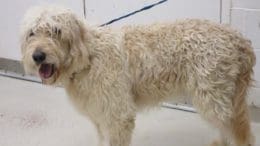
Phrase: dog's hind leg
x=216 y=113
x=227 y=112
x=235 y=130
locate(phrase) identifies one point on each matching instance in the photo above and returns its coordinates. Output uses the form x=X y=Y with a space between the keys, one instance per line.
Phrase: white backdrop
x=11 y=13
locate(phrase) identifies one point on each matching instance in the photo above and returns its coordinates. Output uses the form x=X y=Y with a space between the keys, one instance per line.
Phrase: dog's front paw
x=218 y=143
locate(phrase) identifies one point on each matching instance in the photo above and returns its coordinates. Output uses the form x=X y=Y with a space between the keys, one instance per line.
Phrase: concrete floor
x=35 y=115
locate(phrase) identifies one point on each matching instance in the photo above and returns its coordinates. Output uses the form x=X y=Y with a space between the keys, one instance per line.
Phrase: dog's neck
x=75 y=74
x=90 y=50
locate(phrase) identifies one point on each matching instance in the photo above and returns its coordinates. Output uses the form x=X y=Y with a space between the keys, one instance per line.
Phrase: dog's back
x=189 y=56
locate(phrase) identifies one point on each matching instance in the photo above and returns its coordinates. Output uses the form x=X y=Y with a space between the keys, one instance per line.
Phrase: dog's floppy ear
x=77 y=42
x=78 y=34
x=81 y=27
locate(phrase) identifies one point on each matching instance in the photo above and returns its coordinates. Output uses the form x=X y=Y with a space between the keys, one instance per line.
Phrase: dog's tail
x=247 y=60
x=241 y=125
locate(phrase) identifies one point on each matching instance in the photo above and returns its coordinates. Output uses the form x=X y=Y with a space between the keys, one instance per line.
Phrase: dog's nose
x=38 y=56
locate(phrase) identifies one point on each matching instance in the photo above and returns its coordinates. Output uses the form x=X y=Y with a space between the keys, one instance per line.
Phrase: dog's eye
x=57 y=31
x=31 y=34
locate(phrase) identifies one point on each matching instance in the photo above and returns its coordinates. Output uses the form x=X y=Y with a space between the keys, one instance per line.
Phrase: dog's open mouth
x=46 y=71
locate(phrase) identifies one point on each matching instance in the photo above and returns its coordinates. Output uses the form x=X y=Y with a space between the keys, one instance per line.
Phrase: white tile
x=253 y=97
x=252 y=27
x=257 y=67
x=247 y=22
x=252 y=4
x=238 y=20
x=254 y=93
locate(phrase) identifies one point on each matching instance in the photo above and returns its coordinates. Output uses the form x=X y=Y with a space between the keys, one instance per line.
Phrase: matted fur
x=111 y=74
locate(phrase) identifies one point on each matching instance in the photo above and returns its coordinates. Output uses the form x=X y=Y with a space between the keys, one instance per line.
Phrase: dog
x=111 y=74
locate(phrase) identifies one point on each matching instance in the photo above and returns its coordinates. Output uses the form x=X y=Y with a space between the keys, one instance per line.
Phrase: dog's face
x=50 y=41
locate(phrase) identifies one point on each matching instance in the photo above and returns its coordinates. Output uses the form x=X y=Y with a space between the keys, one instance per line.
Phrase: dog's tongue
x=46 y=71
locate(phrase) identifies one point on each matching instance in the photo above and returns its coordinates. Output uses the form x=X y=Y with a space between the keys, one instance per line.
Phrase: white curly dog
x=110 y=74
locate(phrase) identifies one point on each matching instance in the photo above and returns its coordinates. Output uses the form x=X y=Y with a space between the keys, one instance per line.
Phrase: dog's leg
x=212 y=112
x=120 y=131
x=115 y=127
x=100 y=134
x=235 y=130
x=117 y=121
x=228 y=114
x=223 y=141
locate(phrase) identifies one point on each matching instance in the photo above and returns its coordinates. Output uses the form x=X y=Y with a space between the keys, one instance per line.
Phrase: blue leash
x=133 y=13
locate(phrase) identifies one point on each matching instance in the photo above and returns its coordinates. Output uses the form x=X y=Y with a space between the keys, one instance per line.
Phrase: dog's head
x=52 y=39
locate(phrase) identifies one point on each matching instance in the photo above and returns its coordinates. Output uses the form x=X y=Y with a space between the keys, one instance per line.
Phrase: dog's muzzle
x=46 y=70
x=38 y=56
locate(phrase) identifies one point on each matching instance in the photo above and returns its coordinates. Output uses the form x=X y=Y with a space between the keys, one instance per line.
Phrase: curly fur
x=110 y=74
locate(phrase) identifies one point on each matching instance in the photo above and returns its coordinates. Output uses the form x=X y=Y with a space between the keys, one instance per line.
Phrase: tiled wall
x=99 y=11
